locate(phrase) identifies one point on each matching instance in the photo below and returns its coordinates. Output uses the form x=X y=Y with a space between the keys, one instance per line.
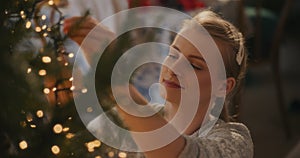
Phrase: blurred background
x=32 y=125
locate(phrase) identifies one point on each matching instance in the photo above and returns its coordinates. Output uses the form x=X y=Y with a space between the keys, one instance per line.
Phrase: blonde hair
x=232 y=49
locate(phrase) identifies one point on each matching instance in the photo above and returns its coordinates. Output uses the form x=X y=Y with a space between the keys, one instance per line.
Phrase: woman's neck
x=170 y=110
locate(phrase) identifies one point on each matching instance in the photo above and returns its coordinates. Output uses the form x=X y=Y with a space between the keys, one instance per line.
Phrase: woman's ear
x=230 y=84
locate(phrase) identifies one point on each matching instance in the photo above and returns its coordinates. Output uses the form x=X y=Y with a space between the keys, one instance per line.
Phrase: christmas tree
x=38 y=117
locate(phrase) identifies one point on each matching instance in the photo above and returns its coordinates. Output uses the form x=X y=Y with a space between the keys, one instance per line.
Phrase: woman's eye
x=196 y=67
x=172 y=56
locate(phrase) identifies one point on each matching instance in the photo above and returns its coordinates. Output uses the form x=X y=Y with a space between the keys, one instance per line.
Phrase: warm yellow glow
x=89 y=109
x=71 y=55
x=42 y=72
x=46 y=90
x=55 y=149
x=29 y=118
x=46 y=59
x=23 y=145
x=54 y=89
x=45 y=34
x=70 y=118
x=122 y=155
x=33 y=126
x=70 y=135
x=38 y=29
x=57 y=128
x=71 y=79
x=91 y=150
x=22 y=12
x=50 y=2
x=66 y=64
x=43 y=17
x=111 y=154
x=66 y=129
x=98 y=157
x=92 y=145
x=29 y=70
x=28 y=24
x=97 y=143
x=39 y=113
x=44 y=27
x=84 y=90
x=72 y=88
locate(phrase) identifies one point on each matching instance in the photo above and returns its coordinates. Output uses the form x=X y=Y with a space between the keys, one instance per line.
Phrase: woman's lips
x=171 y=84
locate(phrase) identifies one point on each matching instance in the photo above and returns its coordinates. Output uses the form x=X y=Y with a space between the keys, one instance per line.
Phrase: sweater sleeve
x=227 y=140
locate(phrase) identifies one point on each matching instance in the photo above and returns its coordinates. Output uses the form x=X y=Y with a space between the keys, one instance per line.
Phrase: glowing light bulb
x=72 y=88
x=57 y=128
x=55 y=149
x=111 y=154
x=43 y=17
x=42 y=72
x=46 y=90
x=122 y=155
x=23 y=145
x=89 y=109
x=66 y=129
x=29 y=70
x=84 y=90
x=28 y=24
x=39 y=113
x=46 y=59
x=71 y=79
x=71 y=55
x=38 y=29
x=50 y=2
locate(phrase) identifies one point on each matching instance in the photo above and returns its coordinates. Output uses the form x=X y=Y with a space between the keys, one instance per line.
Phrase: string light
x=55 y=149
x=70 y=135
x=29 y=70
x=23 y=145
x=43 y=17
x=57 y=128
x=33 y=126
x=29 y=118
x=84 y=90
x=50 y=2
x=72 y=88
x=71 y=79
x=66 y=129
x=92 y=145
x=71 y=55
x=59 y=58
x=111 y=154
x=38 y=29
x=122 y=155
x=46 y=59
x=54 y=89
x=45 y=34
x=98 y=156
x=46 y=90
x=44 y=27
x=28 y=24
x=66 y=64
x=39 y=113
x=89 y=109
x=42 y=72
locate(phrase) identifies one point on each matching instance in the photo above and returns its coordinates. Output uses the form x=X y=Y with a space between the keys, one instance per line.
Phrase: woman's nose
x=177 y=66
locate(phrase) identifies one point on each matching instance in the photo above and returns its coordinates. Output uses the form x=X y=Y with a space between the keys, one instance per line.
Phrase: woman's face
x=181 y=48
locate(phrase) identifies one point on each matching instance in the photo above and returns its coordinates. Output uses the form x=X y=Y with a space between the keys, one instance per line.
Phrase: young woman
x=225 y=139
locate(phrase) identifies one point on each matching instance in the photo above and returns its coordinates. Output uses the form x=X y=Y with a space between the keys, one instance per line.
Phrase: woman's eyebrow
x=197 y=57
